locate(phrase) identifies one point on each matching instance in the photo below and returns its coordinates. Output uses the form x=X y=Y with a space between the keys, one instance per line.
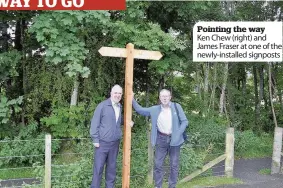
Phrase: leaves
x=8 y=62
x=62 y=33
x=66 y=121
x=7 y=107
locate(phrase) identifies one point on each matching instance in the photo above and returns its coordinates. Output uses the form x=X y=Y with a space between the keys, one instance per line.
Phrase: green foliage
x=265 y=171
x=46 y=86
x=68 y=121
x=149 y=36
x=71 y=121
x=74 y=175
x=26 y=148
x=62 y=33
x=79 y=174
x=205 y=131
x=190 y=161
x=250 y=145
x=209 y=182
x=16 y=174
x=7 y=107
x=69 y=41
x=8 y=62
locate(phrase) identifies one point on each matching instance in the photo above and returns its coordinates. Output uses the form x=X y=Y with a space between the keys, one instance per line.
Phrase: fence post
x=229 y=161
x=47 y=181
x=277 y=146
x=150 y=160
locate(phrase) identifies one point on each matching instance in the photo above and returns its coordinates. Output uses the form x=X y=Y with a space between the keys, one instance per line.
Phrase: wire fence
x=72 y=165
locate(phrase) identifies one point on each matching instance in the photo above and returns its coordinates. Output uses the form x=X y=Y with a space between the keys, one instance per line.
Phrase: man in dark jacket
x=106 y=133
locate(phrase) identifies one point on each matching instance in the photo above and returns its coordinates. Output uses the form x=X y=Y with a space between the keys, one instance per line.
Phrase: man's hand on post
x=96 y=145
x=132 y=124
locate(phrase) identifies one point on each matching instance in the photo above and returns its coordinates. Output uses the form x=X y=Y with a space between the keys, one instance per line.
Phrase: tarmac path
x=247 y=170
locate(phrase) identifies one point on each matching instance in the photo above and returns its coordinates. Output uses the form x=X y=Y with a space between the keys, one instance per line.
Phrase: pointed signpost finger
x=129 y=53
x=122 y=52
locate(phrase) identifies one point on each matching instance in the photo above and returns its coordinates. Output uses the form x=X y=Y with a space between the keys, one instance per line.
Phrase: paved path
x=17 y=183
x=248 y=171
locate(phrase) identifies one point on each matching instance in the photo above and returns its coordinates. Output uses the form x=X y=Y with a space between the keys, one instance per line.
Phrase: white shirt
x=116 y=109
x=164 y=121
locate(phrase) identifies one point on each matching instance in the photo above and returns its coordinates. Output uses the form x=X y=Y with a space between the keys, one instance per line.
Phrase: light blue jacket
x=177 y=127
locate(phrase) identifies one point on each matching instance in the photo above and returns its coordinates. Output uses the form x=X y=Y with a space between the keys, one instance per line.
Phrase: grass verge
x=265 y=171
x=16 y=173
x=209 y=181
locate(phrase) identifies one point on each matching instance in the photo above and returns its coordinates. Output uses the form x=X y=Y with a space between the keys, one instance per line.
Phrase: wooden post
x=129 y=53
x=128 y=115
x=229 y=162
x=150 y=160
x=277 y=147
x=47 y=161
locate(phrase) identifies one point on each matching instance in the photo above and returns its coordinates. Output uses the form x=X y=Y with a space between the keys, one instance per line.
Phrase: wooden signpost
x=129 y=53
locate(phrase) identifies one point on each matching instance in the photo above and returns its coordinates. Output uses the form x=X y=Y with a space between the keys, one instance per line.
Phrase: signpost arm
x=128 y=115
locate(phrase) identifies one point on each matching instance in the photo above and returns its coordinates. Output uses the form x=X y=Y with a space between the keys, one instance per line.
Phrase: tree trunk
x=24 y=60
x=280 y=99
x=212 y=97
x=270 y=94
x=4 y=48
x=74 y=97
x=256 y=101
x=5 y=36
x=262 y=96
x=198 y=83
x=261 y=83
x=222 y=96
x=274 y=80
x=278 y=91
x=206 y=75
x=18 y=35
x=161 y=83
x=231 y=101
x=205 y=93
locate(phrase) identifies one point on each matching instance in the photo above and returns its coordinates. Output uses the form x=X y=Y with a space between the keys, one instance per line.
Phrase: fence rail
x=53 y=177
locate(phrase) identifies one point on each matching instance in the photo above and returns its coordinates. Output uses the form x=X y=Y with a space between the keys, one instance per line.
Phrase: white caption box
x=237 y=42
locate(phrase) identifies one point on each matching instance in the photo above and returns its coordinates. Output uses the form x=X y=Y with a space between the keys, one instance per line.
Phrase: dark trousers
x=106 y=153
x=162 y=149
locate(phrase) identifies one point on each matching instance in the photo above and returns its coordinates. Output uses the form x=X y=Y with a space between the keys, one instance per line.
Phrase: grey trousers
x=107 y=154
x=162 y=149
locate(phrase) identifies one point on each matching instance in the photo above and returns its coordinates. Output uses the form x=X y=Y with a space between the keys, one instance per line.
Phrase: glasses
x=164 y=96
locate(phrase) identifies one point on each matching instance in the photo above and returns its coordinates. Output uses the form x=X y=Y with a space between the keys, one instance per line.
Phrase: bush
x=189 y=161
x=26 y=148
x=206 y=131
x=249 y=145
x=69 y=122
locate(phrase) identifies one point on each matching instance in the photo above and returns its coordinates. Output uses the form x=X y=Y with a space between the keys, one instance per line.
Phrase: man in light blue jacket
x=166 y=135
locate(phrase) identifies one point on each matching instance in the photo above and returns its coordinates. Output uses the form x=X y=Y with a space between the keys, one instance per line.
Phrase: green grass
x=202 y=182
x=209 y=181
x=265 y=171
x=16 y=173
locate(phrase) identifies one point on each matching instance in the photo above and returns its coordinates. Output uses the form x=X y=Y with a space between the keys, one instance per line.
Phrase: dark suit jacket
x=103 y=124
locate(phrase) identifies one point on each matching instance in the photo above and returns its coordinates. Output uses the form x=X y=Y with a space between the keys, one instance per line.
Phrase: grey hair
x=116 y=86
x=163 y=90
